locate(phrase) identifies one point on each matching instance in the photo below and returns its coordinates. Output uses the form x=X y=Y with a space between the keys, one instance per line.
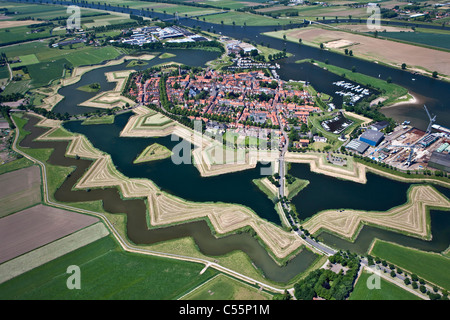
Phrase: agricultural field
x=439 y=40
x=4 y=72
x=91 y=55
x=241 y=19
x=9 y=35
x=19 y=189
x=429 y=266
x=105 y=269
x=41 y=12
x=18 y=26
x=229 y=4
x=46 y=64
x=313 y=11
x=88 y=22
x=222 y=287
x=26 y=60
x=15 y=165
x=31 y=228
x=387 y=291
x=44 y=72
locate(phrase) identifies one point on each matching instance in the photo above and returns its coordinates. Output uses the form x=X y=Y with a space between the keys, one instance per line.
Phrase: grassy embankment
x=106 y=119
x=295 y=187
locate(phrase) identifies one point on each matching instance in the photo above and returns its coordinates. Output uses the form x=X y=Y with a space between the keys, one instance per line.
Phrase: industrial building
x=428 y=140
x=440 y=161
x=372 y=137
x=379 y=125
x=357 y=145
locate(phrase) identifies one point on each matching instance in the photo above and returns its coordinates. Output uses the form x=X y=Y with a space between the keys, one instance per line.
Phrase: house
x=379 y=125
x=319 y=139
x=302 y=143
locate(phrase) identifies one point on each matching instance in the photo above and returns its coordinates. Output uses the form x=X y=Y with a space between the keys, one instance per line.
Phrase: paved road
x=313 y=243
x=281 y=160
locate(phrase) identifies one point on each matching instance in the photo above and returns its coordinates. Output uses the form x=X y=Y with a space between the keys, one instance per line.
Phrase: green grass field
x=108 y=272
x=239 y=18
x=91 y=55
x=430 y=266
x=17 y=87
x=80 y=56
x=4 y=72
x=8 y=35
x=223 y=287
x=48 y=64
x=26 y=60
x=44 y=72
x=387 y=291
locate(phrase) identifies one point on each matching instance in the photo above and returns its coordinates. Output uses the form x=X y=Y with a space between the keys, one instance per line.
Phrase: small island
x=166 y=55
x=93 y=87
x=134 y=63
x=153 y=152
x=105 y=119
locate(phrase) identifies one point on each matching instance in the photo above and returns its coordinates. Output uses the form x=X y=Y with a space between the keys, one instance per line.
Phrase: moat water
x=323 y=192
